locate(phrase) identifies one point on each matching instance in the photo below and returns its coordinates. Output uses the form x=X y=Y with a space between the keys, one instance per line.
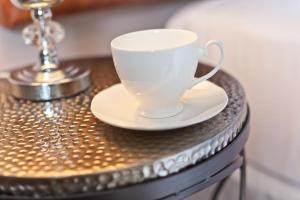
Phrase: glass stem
x=47 y=47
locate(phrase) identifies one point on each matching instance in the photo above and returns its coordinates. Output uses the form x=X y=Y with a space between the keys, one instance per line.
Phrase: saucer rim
x=105 y=119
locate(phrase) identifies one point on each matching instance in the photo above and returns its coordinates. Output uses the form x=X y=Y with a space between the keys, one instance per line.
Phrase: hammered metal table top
x=59 y=147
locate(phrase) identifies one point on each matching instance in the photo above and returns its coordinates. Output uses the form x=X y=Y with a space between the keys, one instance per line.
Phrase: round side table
x=59 y=150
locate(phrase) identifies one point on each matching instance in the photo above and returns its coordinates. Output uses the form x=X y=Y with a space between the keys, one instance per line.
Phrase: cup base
x=159 y=113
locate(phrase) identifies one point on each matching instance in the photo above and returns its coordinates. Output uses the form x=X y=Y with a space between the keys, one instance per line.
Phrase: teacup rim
x=113 y=46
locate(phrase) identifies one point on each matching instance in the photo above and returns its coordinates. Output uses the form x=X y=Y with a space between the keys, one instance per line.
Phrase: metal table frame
x=224 y=138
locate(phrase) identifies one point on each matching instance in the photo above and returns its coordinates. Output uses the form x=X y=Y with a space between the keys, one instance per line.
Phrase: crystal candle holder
x=47 y=79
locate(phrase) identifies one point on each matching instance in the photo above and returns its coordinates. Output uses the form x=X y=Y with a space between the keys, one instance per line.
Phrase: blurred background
x=262 y=43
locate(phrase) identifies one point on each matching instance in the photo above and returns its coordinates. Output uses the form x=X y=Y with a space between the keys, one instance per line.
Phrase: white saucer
x=115 y=106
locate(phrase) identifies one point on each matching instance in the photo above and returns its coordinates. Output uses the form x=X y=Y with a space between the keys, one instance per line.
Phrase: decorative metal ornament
x=48 y=79
x=58 y=148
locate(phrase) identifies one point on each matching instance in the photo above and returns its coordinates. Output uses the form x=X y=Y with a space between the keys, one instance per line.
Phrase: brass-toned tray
x=58 y=148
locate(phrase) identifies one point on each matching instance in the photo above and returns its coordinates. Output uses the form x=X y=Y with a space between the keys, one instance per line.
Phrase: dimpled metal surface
x=59 y=148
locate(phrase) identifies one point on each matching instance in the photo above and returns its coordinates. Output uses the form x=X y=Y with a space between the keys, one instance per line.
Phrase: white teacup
x=158 y=66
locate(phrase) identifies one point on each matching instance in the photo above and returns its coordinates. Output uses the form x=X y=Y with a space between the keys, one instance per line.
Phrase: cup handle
x=217 y=67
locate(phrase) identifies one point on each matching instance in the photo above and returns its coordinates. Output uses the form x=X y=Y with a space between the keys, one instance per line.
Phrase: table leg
x=243 y=177
x=242 y=189
x=219 y=188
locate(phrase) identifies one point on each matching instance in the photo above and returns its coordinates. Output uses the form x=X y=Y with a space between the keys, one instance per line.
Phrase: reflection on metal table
x=59 y=150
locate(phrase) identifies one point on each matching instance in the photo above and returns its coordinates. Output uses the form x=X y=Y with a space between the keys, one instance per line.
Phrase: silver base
x=32 y=84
